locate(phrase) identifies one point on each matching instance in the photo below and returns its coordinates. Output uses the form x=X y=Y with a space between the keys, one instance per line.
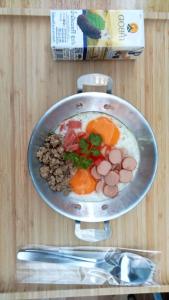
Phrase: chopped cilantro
x=77 y=160
x=84 y=146
x=83 y=143
x=95 y=139
x=88 y=147
x=95 y=152
x=85 y=163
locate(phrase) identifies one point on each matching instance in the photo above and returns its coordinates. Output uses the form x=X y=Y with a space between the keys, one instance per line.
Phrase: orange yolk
x=82 y=182
x=106 y=128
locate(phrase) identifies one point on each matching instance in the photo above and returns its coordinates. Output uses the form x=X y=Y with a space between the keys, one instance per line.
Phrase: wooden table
x=30 y=82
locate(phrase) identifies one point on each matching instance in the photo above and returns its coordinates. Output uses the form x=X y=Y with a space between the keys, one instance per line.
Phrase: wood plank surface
x=147 y=5
x=45 y=12
x=30 y=82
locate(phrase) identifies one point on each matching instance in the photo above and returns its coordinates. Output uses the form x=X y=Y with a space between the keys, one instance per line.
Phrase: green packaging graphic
x=96 y=34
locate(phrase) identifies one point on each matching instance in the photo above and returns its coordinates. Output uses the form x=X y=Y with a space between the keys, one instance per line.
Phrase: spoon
x=125 y=267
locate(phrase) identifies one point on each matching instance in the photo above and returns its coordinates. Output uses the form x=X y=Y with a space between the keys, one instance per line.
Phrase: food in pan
x=55 y=170
x=90 y=154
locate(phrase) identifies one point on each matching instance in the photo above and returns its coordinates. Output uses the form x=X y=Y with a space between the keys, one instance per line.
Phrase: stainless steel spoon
x=125 y=267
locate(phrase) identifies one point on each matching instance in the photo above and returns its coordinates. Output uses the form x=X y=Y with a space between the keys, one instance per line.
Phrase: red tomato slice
x=81 y=134
x=74 y=124
x=98 y=159
x=74 y=147
x=62 y=126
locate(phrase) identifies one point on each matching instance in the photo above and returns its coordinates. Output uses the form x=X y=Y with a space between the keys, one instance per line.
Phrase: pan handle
x=93 y=235
x=95 y=79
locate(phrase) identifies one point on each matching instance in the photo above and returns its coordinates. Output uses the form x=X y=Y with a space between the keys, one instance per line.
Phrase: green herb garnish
x=88 y=147
x=83 y=143
x=84 y=151
x=66 y=156
x=95 y=152
x=77 y=160
x=95 y=139
x=85 y=163
x=72 y=156
x=84 y=146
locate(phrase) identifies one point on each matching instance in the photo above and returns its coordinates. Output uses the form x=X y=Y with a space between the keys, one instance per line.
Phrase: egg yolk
x=82 y=182
x=106 y=128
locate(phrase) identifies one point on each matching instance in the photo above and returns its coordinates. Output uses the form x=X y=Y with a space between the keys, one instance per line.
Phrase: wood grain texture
x=118 y=297
x=45 y=12
x=124 y=297
x=74 y=293
x=148 y=5
x=30 y=82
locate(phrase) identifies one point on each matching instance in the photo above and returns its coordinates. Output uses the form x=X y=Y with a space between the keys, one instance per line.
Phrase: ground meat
x=58 y=171
x=54 y=140
x=54 y=162
x=46 y=158
x=52 y=180
x=54 y=168
x=47 y=145
x=55 y=153
x=40 y=153
x=44 y=171
x=60 y=149
x=59 y=179
x=62 y=162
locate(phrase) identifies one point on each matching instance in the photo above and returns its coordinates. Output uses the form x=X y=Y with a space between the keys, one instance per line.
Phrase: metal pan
x=129 y=197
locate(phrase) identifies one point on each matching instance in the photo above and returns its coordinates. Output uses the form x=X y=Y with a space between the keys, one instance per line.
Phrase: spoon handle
x=55 y=254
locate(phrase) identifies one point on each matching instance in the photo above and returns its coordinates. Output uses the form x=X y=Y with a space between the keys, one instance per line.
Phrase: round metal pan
x=128 y=198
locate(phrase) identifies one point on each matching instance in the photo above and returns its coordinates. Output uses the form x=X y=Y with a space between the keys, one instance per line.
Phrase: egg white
x=127 y=140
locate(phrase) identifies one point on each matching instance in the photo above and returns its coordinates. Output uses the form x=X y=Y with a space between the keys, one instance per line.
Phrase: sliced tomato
x=78 y=151
x=71 y=141
x=62 y=126
x=70 y=138
x=73 y=147
x=86 y=135
x=74 y=124
x=108 y=147
x=97 y=160
x=81 y=134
